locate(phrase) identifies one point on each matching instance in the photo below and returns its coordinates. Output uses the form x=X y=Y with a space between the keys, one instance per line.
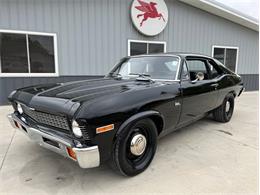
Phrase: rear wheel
x=224 y=112
x=135 y=147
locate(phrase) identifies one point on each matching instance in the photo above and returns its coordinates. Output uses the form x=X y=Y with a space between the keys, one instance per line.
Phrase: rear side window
x=223 y=68
x=214 y=69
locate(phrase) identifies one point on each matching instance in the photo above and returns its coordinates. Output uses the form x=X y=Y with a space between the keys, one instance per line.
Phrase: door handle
x=214 y=85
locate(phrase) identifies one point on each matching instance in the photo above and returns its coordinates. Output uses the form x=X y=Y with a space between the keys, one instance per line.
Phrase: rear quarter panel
x=229 y=83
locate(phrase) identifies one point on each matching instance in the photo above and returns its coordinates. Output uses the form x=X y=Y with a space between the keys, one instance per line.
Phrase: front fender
x=136 y=117
x=106 y=141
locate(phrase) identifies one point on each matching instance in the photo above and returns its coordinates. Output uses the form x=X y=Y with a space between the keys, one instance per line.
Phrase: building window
x=28 y=54
x=137 y=47
x=226 y=55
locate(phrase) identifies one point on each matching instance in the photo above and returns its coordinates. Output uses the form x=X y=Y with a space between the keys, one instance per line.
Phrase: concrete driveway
x=206 y=158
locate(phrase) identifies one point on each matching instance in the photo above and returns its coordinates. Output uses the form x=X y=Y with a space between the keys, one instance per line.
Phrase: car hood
x=82 y=91
x=65 y=98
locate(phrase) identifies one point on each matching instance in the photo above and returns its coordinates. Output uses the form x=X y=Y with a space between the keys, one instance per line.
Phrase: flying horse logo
x=150 y=11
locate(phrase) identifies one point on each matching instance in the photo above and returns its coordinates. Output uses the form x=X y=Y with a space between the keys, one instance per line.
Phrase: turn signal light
x=105 y=128
x=71 y=153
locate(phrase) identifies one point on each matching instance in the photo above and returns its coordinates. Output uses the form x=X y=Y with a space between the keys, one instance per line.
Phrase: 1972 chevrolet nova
x=120 y=117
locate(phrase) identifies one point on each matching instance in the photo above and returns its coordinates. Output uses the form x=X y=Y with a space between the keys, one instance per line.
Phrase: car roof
x=180 y=54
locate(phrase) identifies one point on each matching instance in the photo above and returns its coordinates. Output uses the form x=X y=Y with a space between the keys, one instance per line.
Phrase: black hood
x=64 y=97
x=82 y=91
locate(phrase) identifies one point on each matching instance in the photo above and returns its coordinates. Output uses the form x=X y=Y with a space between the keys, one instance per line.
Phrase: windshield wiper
x=116 y=76
x=142 y=76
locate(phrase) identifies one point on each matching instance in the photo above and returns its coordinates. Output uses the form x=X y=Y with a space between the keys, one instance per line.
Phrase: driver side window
x=195 y=66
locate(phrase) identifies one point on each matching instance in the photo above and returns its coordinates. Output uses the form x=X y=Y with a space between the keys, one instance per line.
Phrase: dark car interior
x=196 y=66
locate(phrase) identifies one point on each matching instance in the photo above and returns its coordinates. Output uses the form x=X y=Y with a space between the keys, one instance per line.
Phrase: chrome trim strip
x=33 y=130
x=11 y=121
x=178 y=69
x=164 y=80
x=86 y=157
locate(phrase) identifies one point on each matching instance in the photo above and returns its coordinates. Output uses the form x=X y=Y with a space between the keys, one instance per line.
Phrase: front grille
x=60 y=122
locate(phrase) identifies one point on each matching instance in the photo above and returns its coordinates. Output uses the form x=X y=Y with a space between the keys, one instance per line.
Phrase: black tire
x=221 y=114
x=123 y=159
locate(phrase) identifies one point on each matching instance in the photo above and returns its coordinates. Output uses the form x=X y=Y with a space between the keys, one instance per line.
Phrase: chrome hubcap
x=138 y=145
x=227 y=106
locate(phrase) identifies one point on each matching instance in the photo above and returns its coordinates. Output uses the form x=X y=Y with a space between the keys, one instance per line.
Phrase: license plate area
x=51 y=142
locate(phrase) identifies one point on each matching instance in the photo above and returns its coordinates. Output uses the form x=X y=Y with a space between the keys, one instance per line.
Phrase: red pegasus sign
x=150 y=11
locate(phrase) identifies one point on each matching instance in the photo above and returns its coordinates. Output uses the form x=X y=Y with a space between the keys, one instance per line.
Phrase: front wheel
x=135 y=147
x=224 y=112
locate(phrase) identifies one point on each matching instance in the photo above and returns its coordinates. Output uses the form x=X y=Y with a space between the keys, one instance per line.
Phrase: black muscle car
x=119 y=118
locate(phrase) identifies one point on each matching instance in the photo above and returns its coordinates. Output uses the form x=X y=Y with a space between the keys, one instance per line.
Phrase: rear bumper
x=87 y=157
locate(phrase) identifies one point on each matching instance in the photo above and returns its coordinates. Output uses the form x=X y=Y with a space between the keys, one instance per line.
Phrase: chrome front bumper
x=87 y=157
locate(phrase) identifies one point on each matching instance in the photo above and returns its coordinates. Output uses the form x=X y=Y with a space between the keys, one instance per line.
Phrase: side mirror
x=199 y=77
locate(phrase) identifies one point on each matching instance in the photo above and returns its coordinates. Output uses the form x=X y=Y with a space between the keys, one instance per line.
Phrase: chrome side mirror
x=199 y=77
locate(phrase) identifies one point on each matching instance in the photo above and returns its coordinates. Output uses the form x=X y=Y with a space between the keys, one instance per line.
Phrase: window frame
x=129 y=41
x=226 y=47
x=184 y=64
x=27 y=33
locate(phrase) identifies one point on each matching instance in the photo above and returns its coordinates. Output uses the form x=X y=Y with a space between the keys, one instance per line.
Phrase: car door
x=198 y=97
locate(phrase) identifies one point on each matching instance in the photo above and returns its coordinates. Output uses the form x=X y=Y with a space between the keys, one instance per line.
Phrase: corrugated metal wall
x=251 y=81
x=199 y=30
x=92 y=34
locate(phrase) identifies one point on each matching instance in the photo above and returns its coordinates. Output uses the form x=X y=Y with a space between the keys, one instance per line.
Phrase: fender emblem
x=177 y=103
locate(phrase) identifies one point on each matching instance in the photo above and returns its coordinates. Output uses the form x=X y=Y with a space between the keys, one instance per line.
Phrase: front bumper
x=87 y=157
x=241 y=90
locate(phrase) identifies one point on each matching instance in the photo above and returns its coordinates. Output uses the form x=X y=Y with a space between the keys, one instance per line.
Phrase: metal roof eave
x=223 y=12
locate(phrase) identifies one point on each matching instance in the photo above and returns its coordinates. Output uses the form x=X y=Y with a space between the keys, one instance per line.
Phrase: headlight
x=19 y=108
x=76 y=129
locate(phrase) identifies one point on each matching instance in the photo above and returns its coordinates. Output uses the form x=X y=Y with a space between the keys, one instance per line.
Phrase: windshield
x=163 y=67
